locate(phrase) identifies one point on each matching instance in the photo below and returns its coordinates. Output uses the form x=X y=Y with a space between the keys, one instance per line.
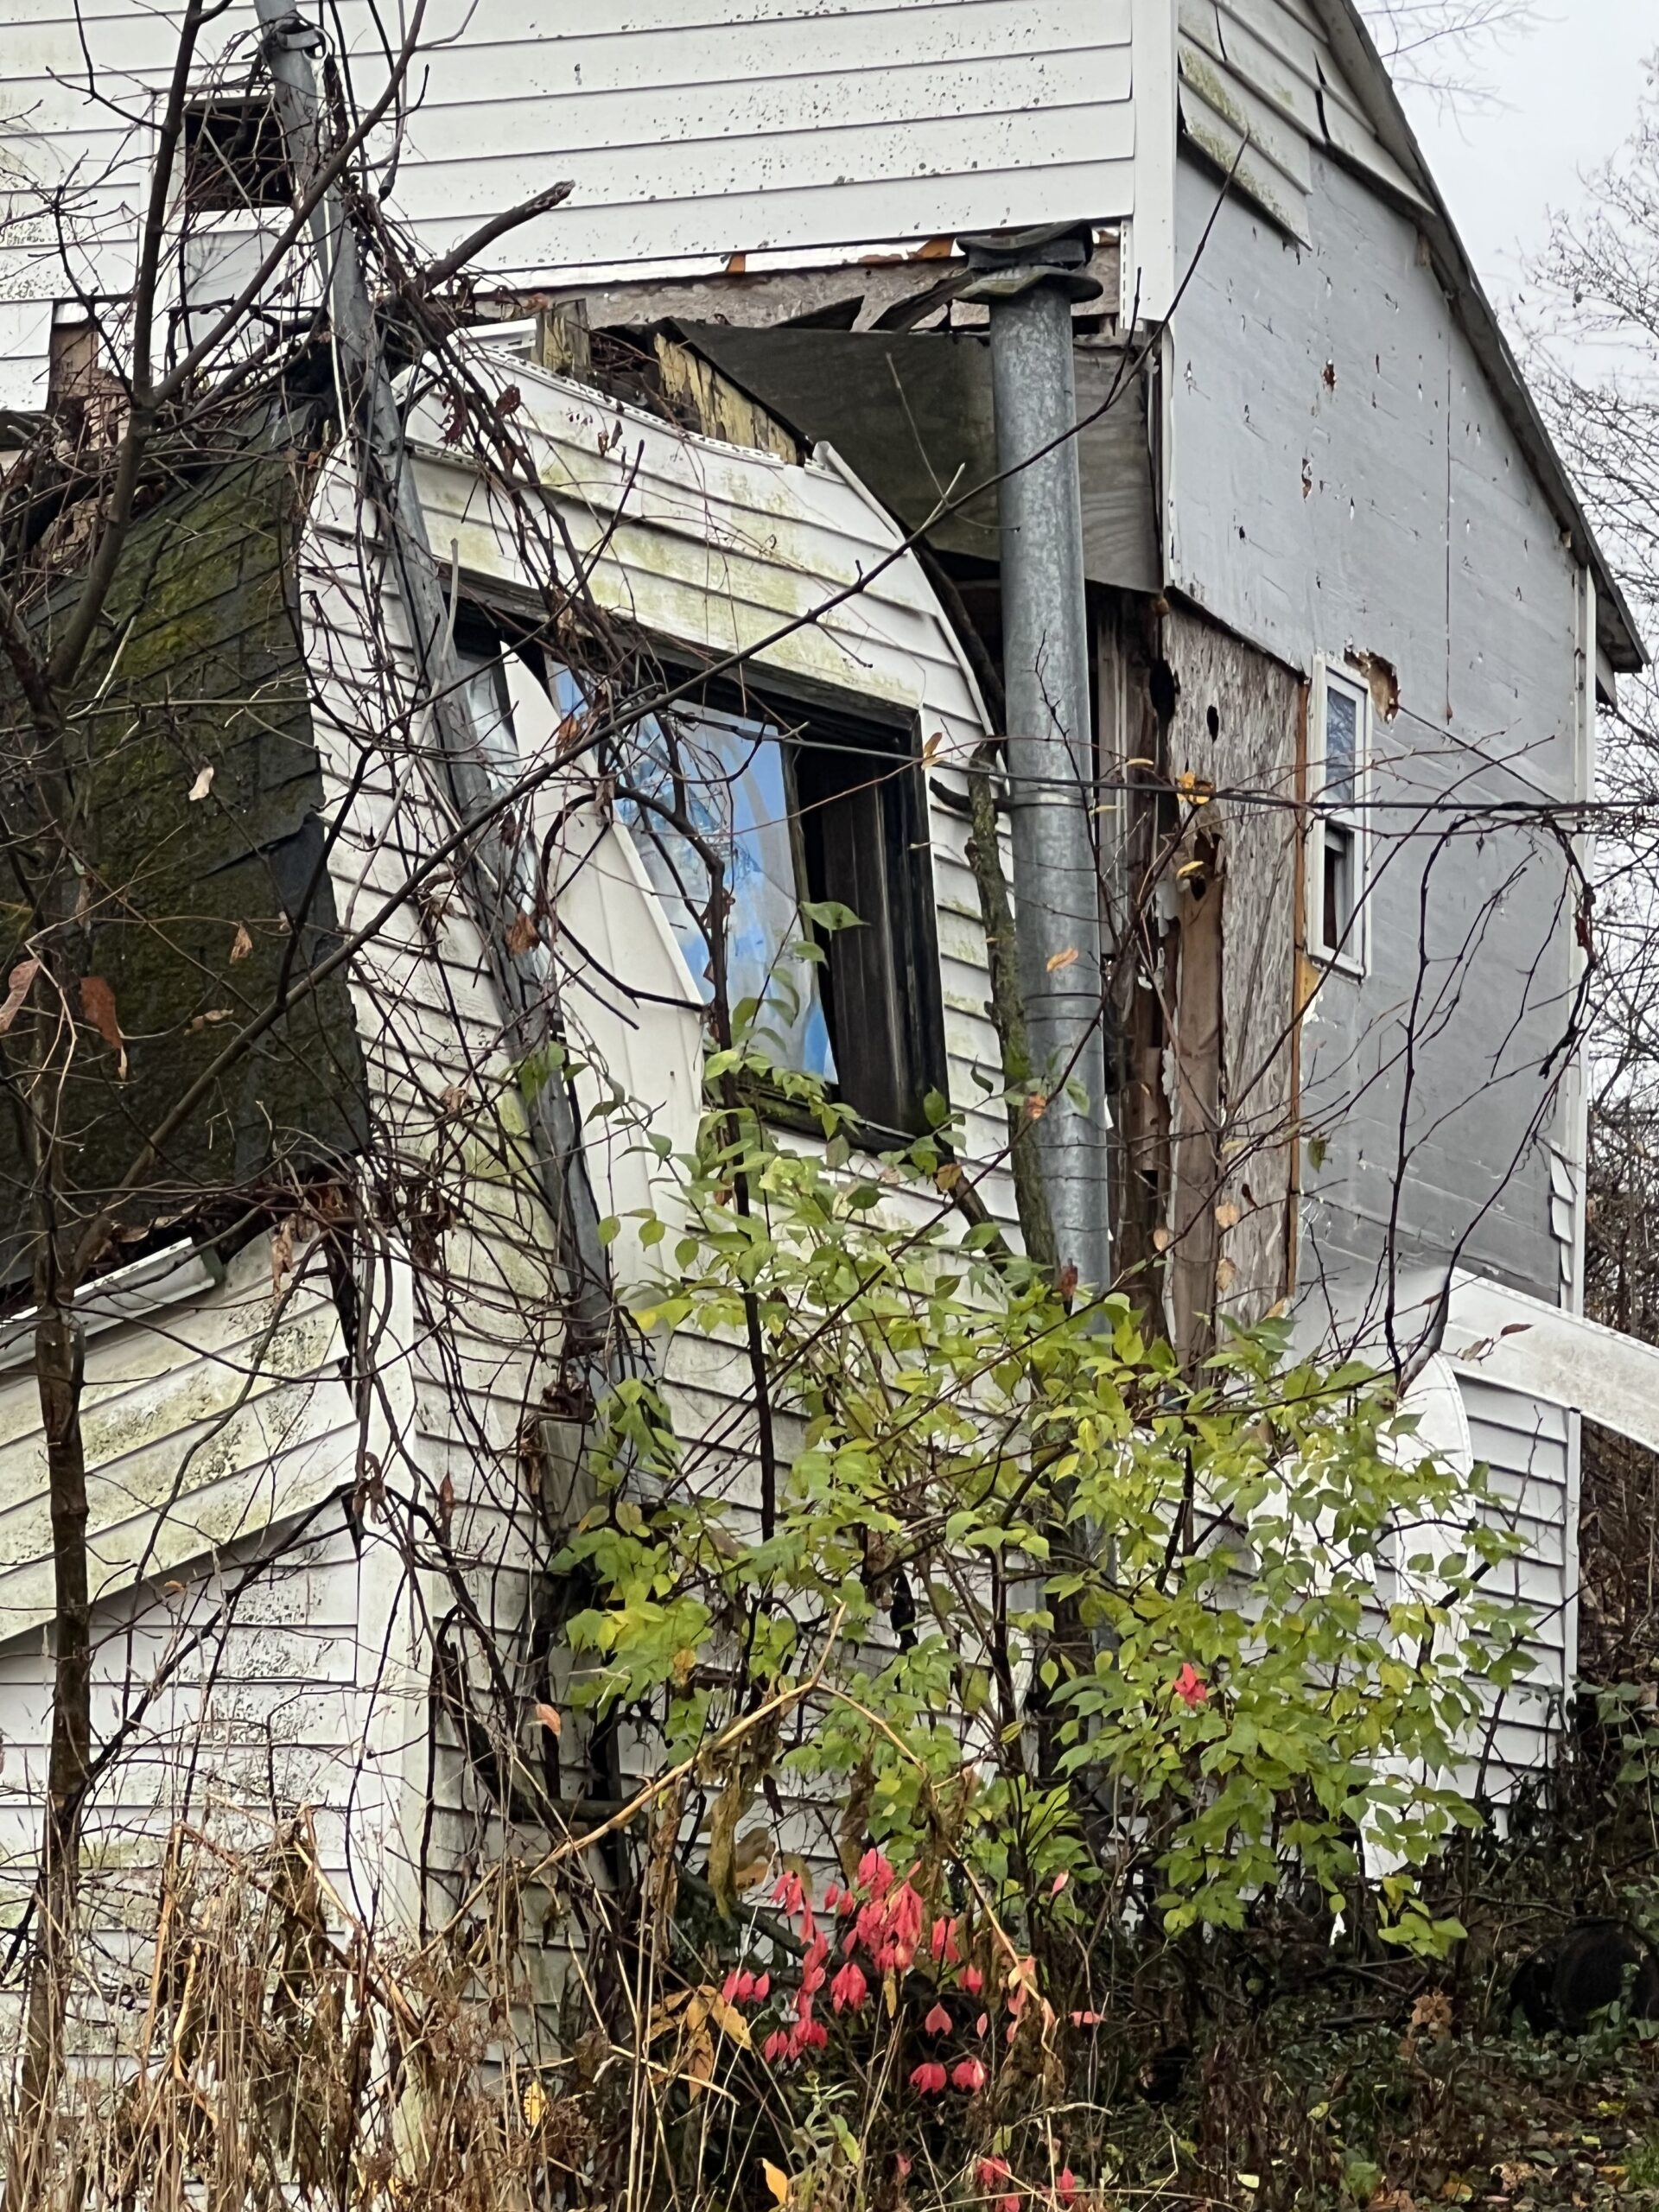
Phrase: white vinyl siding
x=691 y=132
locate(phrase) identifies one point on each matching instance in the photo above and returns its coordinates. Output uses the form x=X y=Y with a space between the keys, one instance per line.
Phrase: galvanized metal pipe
x=501 y=876
x=1051 y=750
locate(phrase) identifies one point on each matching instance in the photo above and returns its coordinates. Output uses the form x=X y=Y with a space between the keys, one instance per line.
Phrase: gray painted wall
x=1341 y=480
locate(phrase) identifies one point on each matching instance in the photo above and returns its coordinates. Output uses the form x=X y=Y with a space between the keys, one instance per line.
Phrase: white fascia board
x=1557 y=1356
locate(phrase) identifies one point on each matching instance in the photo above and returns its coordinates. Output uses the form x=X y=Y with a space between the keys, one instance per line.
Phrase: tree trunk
x=58 y=1366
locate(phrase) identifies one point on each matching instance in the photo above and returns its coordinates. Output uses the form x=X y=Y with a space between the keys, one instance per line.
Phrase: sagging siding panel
x=1343 y=480
x=1261 y=89
x=202 y=1424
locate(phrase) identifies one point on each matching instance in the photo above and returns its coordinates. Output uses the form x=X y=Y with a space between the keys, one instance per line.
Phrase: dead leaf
x=281 y=1254
x=949 y=1176
x=455 y=1099
x=736 y=263
x=535 y=2102
x=17 y=988
x=98 y=1004
x=699 y=2061
x=776 y=2180
x=1433 y=2012
x=1036 y=1106
x=751 y=1859
x=241 y=943
x=1226 y=1276
x=727 y=2018
x=1228 y=1215
x=549 y=1717
x=931 y=749
x=214 y=1014
x=521 y=934
x=445 y=1503
x=1161 y=1239
x=1066 y=959
x=721 y=1874
x=202 y=785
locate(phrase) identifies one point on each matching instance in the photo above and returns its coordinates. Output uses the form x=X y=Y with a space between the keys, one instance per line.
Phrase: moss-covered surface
x=198 y=900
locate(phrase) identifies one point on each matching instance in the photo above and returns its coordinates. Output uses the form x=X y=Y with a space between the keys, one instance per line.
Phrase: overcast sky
x=1566 y=96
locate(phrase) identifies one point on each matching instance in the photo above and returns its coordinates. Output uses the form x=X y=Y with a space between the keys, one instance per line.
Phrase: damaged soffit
x=909 y=413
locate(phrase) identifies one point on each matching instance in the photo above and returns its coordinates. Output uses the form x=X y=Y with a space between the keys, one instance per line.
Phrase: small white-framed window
x=1339 y=770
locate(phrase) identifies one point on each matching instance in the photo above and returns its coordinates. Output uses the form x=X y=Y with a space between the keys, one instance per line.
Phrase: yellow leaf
x=1066 y=959
x=1161 y=1239
x=241 y=943
x=777 y=2181
x=549 y=1717
x=727 y=2019
x=700 y=2061
x=1228 y=1215
x=535 y=2102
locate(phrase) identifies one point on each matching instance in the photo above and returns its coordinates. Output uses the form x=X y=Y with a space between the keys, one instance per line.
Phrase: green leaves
x=1040 y=1571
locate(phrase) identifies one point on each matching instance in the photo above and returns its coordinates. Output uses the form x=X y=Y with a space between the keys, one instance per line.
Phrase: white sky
x=1567 y=94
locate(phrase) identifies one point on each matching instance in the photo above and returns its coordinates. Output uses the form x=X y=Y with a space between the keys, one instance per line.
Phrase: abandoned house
x=823 y=276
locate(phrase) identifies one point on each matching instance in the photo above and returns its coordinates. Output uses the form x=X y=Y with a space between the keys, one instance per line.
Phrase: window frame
x=1350 y=956
x=822 y=719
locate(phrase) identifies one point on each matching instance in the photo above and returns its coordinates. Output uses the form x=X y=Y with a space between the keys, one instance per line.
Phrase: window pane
x=1341 y=745
x=736 y=791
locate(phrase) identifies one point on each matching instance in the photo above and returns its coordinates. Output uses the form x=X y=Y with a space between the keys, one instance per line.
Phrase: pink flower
x=1060 y=1881
x=848 y=1989
x=972 y=1980
x=981 y=2024
x=969 y=2073
x=929 y=2077
x=937 y=2022
x=1066 y=2187
x=1191 y=1688
x=943 y=1942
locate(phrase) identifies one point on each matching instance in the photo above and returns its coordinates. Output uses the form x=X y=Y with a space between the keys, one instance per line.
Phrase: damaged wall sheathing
x=194 y=726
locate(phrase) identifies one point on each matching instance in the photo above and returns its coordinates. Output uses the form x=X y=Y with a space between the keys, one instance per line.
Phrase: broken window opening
x=1337 y=770
x=234 y=158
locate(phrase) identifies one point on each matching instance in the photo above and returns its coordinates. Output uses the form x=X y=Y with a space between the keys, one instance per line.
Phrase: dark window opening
x=1339 y=888
x=233 y=157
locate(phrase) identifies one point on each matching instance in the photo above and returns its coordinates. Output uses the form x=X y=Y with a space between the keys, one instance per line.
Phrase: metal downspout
x=1029 y=282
